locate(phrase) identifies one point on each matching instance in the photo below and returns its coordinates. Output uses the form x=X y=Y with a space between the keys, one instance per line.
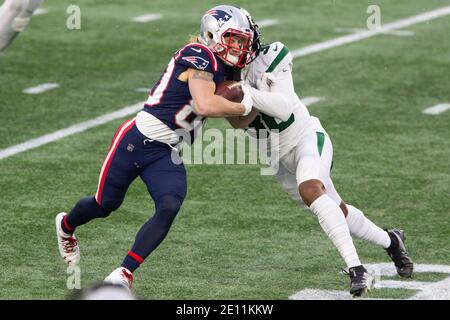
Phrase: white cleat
x=121 y=276
x=67 y=243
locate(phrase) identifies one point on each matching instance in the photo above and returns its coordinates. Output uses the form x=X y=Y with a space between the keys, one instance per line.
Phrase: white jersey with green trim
x=271 y=72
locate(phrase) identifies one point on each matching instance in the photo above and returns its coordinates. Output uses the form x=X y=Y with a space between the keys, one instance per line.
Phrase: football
x=230 y=90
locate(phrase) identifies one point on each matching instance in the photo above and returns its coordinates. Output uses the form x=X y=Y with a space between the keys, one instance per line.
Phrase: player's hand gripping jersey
x=170 y=105
x=284 y=114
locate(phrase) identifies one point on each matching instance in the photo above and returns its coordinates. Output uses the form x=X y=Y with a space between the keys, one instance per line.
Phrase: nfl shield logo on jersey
x=198 y=62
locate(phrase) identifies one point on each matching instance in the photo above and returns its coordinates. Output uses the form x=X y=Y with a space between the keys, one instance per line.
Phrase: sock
x=132 y=261
x=153 y=232
x=365 y=229
x=84 y=211
x=394 y=242
x=333 y=223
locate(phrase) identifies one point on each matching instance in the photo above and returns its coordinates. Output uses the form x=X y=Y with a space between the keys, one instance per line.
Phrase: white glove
x=265 y=81
x=247 y=100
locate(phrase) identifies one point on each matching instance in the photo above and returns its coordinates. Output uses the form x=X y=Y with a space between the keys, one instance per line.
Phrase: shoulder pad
x=273 y=57
x=197 y=56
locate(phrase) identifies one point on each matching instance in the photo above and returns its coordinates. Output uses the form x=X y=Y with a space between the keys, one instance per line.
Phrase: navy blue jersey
x=170 y=100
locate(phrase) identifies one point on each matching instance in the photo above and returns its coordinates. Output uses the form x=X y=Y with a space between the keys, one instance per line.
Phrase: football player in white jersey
x=305 y=160
x=14 y=16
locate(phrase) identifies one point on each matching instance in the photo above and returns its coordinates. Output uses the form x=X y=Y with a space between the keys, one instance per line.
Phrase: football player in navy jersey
x=142 y=146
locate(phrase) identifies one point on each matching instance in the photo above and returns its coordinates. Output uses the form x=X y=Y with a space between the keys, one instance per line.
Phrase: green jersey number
x=265 y=122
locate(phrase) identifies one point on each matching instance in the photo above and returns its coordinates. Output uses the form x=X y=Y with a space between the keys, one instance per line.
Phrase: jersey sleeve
x=275 y=58
x=197 y=56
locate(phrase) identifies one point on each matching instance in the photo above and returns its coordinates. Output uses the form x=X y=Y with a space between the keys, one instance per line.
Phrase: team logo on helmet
x=198 y=62
x=220 y=15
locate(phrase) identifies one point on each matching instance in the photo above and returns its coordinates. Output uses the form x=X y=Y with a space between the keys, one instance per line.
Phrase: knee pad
x=90 y=205
x=167 y=207
x=109 y=205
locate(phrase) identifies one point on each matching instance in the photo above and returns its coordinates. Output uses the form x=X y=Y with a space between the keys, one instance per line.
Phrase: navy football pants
x=131 y=155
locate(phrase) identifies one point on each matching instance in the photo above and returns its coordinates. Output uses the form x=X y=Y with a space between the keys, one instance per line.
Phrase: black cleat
x=360 y=281
x=398 y=254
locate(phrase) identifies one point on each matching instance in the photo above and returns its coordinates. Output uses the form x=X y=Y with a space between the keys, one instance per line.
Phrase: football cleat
x=361 y=281
x=398 y=254
x=67 y=243
x=121 y=276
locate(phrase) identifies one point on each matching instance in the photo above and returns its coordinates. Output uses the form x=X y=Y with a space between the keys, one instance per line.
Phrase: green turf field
x=238 y=235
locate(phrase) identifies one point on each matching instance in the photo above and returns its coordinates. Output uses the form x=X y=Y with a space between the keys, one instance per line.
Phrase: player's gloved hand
x=247 y=100
x=265 y=81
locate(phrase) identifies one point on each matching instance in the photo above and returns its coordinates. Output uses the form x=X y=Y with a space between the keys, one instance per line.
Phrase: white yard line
x=427 y=16
x=267 y=22
x=428 y=290
x=77 y=128
x=401 y=33
x=400 y=24
x=41 y=88
x=40 y=11
x=147 y=90
x=147 y=17
x=308 y=101
x=437 y=109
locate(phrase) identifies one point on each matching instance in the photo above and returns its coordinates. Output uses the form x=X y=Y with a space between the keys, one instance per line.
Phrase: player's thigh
x=314 y=157
x=119 y=170
x=288 y=182
x=164 y=177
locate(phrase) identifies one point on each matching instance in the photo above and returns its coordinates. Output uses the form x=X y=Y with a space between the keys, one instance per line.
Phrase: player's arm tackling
x=208 y=104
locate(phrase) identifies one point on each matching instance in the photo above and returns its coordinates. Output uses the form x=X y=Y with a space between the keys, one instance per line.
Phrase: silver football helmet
x=230 y=33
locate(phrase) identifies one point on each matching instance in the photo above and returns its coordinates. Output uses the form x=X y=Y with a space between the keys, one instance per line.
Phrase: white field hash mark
x=322 y=46
x=41 y=88
x=428 y=290
x=147 y=17
x=437 y=109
